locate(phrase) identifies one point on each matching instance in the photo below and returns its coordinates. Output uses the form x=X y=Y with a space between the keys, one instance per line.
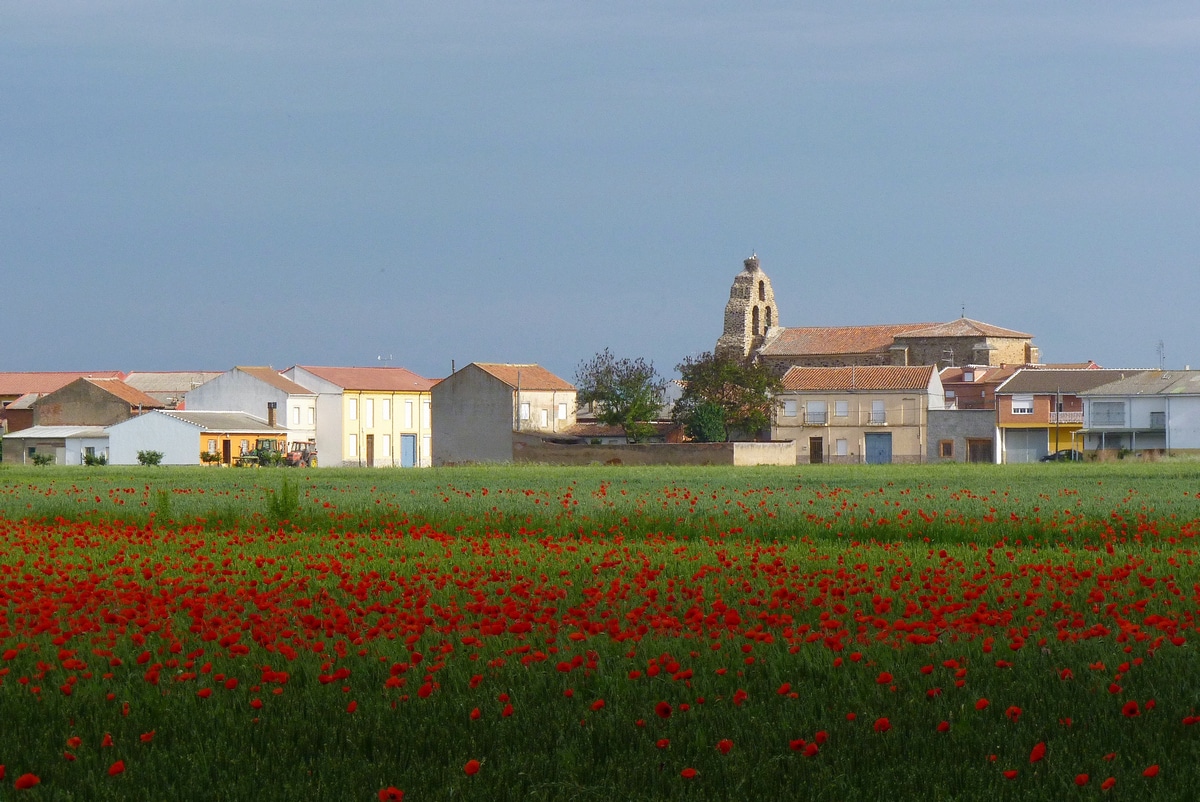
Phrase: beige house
x=479 y=408
x=872 y=413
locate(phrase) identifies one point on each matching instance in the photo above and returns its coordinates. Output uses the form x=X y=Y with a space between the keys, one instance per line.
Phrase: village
x=958 y=391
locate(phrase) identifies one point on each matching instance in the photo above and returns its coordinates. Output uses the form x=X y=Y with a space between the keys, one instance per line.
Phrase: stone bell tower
x=749 y=314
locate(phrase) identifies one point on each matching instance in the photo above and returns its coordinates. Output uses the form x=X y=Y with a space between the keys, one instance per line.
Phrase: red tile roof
x=804 y=340
x=964 y=327
x=130 y=395
x=377 y=379
x=271 y=376
x=17 y=384
x=527 y=377
x=863 y=377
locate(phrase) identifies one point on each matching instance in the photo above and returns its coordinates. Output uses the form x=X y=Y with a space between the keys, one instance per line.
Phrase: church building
x=753 y=331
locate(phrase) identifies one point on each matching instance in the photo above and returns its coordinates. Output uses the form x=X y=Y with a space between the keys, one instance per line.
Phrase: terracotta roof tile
x=806 y=340
x=130 y=395
x=16 y=384
x=271 y=376
x=863 y=377
x=527 y=377
x=378 y=379
x=964 y=327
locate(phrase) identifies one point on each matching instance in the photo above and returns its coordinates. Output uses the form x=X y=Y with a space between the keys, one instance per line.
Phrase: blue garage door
x=879 y=448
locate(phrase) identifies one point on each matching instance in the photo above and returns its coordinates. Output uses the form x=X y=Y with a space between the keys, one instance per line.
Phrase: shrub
x=149 y=457
x=43 y=459
x=95 y=459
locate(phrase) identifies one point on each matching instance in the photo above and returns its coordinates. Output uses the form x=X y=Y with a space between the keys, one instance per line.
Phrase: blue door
x=408 y=450
x=879 y=448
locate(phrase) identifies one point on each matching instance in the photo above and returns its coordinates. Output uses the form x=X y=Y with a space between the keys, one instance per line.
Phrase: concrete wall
x=154 y=431
x=958 y=425
x=531 y=448
x=473 y=418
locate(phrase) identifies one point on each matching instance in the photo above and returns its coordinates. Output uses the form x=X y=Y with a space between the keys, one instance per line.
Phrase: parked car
x=1063 y=455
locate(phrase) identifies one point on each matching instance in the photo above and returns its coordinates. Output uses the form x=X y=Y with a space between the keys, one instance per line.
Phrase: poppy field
x=924 y=632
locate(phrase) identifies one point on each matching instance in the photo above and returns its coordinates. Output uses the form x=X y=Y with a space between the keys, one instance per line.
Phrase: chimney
x=271 y=412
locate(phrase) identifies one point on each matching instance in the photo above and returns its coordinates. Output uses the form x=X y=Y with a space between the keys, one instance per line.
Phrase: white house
x=69 y=444
x=253 y=390
x=182 y=435
x=1147 y=411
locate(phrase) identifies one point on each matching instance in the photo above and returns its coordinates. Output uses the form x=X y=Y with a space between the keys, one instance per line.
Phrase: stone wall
x=749 y=313
x=957 y=426
x=529 y=448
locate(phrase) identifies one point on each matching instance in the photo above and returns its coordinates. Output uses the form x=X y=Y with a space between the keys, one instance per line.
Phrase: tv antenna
x=1161 y=349
x=383 y=360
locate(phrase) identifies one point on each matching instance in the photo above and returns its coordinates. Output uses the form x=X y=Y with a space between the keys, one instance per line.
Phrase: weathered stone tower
x=749 y=314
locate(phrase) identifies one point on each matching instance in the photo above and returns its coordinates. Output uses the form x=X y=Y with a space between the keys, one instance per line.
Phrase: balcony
x=877 y=419
x=816 y=418
x=1066 y=417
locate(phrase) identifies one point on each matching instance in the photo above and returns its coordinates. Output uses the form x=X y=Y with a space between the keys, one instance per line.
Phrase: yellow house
x=369 y=417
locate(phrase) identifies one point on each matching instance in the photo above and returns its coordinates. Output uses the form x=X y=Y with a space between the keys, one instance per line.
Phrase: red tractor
x=302 y=455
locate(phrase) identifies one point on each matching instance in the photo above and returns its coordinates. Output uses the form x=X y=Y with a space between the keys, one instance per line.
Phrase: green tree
x=742 y=392
x=625 y=392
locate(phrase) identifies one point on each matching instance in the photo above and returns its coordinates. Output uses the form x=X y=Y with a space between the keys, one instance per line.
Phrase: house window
x=385 y=445
x=352 y=445
x=1022 y=404
x=312 y=416
x=426 y=414
x=815 y=413
x=385 y=409
x=545 y=417
x=212 y=446
x=841 y=447
x=949 y=394
x=408 y=414
x=245 y=446
x=946 y=449
x=1108 y=413
x=562 y=411
x=295 y=416
x=789 y=409
x=524 y=412
x=352 y=408
x=878 y=414
x=841 y=409
x=1158 y=420
x=968 y=375
x=368 y=412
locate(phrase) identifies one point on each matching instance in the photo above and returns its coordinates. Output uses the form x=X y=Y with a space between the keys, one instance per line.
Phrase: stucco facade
x=182 y=435
x=864 y=414
x=370 y=417
x=251 y=390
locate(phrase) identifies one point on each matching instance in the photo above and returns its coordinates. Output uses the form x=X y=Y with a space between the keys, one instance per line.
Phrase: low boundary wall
x=527 y=448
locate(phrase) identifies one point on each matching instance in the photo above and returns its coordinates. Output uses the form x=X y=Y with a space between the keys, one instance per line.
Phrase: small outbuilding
x=182 y=436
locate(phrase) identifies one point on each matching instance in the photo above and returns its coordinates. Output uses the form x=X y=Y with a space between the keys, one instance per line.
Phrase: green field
x=810 y=632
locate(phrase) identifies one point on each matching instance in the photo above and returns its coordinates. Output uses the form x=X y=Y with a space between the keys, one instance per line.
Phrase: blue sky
x=193 y=186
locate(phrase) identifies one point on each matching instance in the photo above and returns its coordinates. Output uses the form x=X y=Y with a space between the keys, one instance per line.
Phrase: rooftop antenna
x=1161 y=350
x=963 y=310
x=384 y=359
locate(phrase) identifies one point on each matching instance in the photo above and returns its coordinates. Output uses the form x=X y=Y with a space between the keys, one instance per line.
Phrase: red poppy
x=688 y=773
x=981 y=704
x=1130 y=709
x=204 y=693
x=882 y=725
x=1013 y=713
x=1011 y=774
x=256 y=704
x=1111 y=756
x=26 y=781
x=147 y=737
x=471 y=767
x=69 y=757
x=507 y=711
x=662 y=743
x=598 y=704
x=74 y=742
x=1151 y=771
x=884 y=678
x=943 y=726
x=1081 y=779
x=821 y=737
x=107 y=740
x=810 y=750
x=475 y=714
x=350 y=708
x=784 y=689
x=391 y=794
x=1038 y=752
x=1109 y=783
x=116 y=768
x=724 y=745
x=796 y=745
